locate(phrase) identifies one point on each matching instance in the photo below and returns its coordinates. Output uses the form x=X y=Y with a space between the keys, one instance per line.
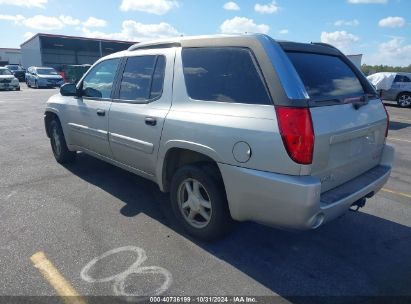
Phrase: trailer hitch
x=358 y=204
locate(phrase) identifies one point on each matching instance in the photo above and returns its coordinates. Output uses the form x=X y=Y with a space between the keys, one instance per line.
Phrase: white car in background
x=393 y=87
x=8 y=81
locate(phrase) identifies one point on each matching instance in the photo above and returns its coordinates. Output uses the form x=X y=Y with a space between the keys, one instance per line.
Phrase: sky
x=379 y=29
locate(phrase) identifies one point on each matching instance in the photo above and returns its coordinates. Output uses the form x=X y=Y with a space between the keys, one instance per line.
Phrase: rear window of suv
x=325 y=76
x=223 y=74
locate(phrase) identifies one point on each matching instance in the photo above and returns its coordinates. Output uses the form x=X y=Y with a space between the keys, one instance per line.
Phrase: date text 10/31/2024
x=203 y=299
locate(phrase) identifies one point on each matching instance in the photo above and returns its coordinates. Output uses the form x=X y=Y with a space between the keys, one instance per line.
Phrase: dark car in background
x=17 y=71
x=43 y=77
x=73 y=73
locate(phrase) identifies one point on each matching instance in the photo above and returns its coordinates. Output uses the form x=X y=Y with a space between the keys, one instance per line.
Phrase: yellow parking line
x=53 y=276
x=399 y=139
x=397 y=192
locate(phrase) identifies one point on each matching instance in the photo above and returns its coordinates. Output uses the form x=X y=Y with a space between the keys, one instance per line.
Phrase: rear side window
x=143 y=78
x=226 y=74
x=325 y=76
x=401 y=78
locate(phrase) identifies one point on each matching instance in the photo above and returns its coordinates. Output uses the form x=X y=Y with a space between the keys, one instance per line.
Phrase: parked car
x=243 y=127
x=393 y=87
x=17 y=71
x=43 y=77
x=8 y=81
x=73 y=73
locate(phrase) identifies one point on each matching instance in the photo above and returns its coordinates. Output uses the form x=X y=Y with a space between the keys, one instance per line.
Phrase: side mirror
x=68 y=89
x=90 y=92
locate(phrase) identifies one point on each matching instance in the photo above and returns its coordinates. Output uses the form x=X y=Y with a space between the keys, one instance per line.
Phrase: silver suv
x=234 y=127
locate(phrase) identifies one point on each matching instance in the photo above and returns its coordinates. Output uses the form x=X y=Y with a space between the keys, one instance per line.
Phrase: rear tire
x=199 y=202
x=404 y=100
x=58 y=143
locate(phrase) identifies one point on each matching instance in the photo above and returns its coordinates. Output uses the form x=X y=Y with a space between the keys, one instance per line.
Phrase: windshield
x=5 y=72
x=13 y=67
x=326 y=76
x=46 y=72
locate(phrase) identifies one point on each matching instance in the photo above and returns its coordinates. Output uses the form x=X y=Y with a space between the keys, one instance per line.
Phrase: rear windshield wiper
x=357 y=101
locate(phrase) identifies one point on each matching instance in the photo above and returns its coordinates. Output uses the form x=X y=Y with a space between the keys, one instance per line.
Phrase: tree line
x=371 y=69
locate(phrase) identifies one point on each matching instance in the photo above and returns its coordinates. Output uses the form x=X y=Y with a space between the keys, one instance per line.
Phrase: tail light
x=297 y=132
x=388 y=119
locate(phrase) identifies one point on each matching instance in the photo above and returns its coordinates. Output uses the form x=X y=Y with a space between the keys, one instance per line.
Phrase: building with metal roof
x=58 y=50
x=10 y=56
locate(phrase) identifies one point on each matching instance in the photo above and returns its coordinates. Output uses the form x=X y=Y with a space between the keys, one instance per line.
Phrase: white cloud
x=241 y=25
x=40 y=22
x=392 y=22
x=95 y=22
x=268 y=8
x=283 y=31
x=25 y=3
x=340 y=39
x=231 y=6
x=342 y=22
x=135 y=31
x=28 y=35
x=68 y=20
x=393 y=52
x=16 y=19
x=368 y=1
x=157 y=7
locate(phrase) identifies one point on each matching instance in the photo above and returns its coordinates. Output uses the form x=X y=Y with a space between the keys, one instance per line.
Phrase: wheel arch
x=402 y=92
x=49 y=115
x=179 y=154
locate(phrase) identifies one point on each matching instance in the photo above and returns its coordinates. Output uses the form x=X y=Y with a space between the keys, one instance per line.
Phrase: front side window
x=325 y=76
x=143 y=78
x=99 y=81
x=223 y=74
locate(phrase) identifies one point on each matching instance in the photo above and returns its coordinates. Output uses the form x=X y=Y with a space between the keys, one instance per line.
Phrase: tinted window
x=326 y=77
x=137 y=79
x=401 y=78
x=223 y=74
x=99 y=82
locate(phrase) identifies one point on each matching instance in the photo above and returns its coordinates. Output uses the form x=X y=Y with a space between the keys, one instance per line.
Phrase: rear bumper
x=296 y=202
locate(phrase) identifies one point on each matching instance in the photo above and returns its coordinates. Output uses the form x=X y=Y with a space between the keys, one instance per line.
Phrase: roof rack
x=148 y=46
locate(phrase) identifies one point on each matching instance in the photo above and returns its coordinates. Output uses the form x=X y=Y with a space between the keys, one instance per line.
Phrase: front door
x=88 y=118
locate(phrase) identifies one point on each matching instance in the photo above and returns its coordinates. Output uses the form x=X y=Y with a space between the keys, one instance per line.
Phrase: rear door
x=349 y=121
x=138 y=111
x=88 y=114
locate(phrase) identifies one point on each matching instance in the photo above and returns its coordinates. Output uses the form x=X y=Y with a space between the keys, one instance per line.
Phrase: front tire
x=199 y=202
x=404 y=100
x=58 y=143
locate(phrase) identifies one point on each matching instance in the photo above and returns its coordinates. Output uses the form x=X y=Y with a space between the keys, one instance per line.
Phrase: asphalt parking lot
x=108 y=232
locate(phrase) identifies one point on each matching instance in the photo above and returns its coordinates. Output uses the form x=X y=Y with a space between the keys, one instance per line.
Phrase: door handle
x=101 y=112
x=150 y=121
